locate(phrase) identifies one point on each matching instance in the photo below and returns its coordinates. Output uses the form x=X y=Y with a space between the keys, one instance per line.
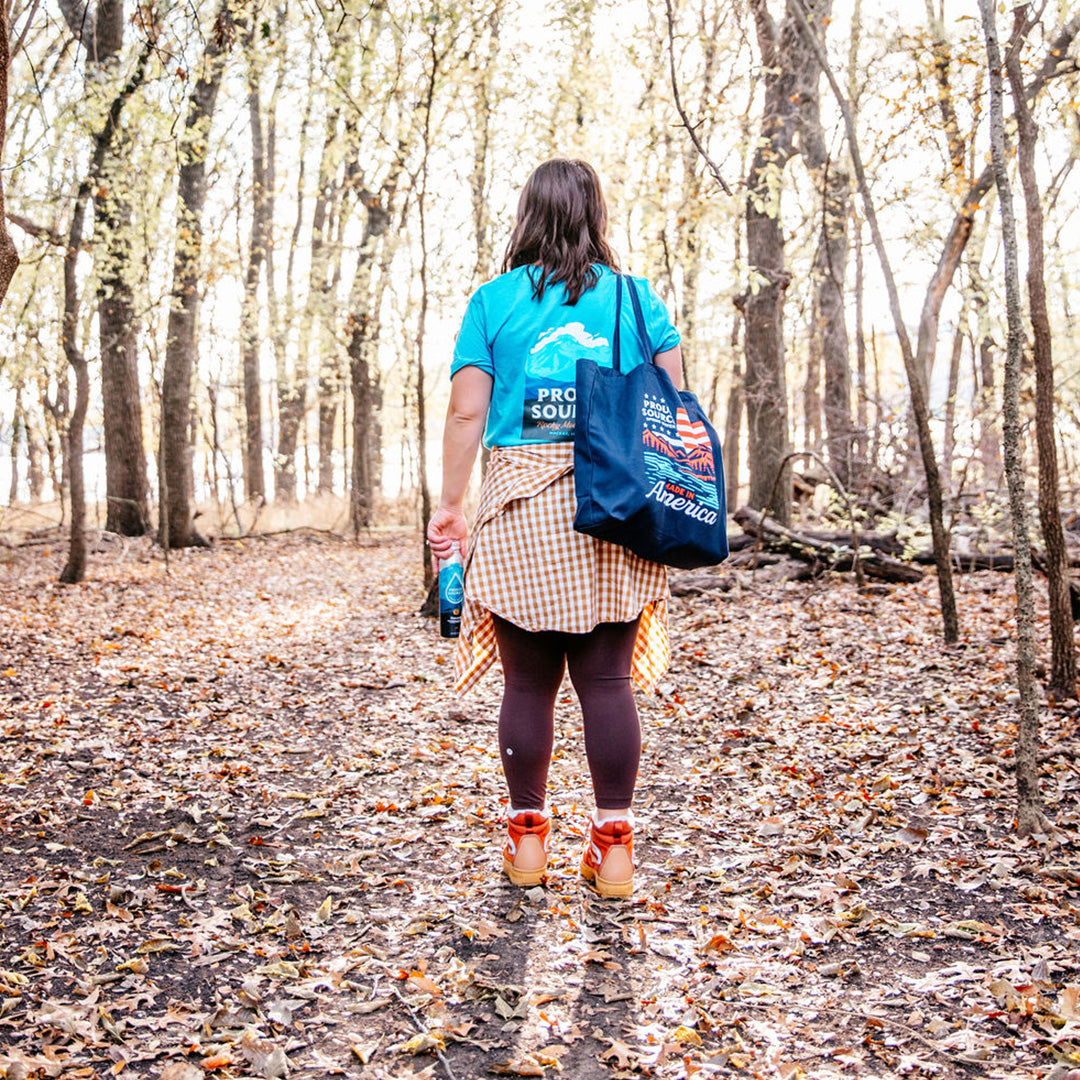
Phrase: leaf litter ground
x=248 y=830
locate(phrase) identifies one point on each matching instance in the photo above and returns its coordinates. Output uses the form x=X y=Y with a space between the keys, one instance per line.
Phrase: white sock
x=628 y=817
x=514 y=811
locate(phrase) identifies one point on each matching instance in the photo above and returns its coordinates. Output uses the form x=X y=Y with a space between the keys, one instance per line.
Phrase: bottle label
x=451 y=586
x=451 y=597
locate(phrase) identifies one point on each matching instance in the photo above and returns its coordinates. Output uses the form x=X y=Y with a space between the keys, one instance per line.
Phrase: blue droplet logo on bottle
x=453 y=589
x=451 y=595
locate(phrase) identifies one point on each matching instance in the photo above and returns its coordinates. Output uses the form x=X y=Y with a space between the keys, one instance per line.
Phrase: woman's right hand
x=446 y=530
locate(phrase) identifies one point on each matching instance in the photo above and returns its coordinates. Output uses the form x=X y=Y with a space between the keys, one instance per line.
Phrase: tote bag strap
x=615 y=338
x=639 y=319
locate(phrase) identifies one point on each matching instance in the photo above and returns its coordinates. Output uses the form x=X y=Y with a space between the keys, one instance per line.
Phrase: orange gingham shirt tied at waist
x=526 y=564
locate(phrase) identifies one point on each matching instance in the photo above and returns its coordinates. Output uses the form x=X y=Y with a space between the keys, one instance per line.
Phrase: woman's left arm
x=470 y=396
x=671 y=362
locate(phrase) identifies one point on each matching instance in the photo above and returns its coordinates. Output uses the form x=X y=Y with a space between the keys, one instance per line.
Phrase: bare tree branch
x=678 y=104
x=39 y=232
x=80 y=19
x=20 y=41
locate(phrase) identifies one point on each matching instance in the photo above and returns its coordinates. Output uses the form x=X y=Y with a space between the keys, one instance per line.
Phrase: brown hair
x=561 y=226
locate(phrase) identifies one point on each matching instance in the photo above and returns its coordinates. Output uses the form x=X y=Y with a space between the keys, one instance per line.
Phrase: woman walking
x=544 y=596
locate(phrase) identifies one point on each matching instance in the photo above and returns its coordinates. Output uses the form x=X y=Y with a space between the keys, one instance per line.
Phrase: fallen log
x=823 y=554
x=886 y=543
x=788 y=570
x=695 y=582
x=750 y=558
x=970 y=562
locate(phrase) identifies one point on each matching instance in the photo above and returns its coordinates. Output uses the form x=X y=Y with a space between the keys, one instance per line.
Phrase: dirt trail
x=247 y=830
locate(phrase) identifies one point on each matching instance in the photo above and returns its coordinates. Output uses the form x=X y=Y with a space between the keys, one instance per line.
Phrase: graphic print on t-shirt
x=547 y=413
x=679 y=466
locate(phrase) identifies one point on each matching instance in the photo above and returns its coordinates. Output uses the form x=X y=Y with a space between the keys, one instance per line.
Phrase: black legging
x=533 y=665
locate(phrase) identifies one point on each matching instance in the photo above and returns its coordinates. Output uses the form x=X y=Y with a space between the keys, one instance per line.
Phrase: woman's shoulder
x=504 y=287
x=607 y=272
x=640 y=280
x=509 y=279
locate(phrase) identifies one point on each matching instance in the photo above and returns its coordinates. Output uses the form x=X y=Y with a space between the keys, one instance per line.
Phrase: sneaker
x=525 y=853
x=608 y=860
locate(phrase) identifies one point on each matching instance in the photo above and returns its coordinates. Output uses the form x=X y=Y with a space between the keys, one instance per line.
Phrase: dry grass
x=22 y=523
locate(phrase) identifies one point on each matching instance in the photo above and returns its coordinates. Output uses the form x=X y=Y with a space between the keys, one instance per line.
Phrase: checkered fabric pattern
x=527 y=564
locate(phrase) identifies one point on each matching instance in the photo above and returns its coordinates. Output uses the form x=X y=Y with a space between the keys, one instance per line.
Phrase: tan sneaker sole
x=608 y=889
x=523 y=877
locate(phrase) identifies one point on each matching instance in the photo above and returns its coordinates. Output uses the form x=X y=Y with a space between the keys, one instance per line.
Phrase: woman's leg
x=533 y=665
x=600 y=670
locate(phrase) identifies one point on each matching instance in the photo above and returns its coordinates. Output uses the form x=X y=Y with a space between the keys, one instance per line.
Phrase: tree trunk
x=329 y=381
x=61 y=418
x=982 y=369
x=830 y=338
x=690 y=212
x=862 y=441
x=949 y=448
x=764 y=383
x=1063 y=651
x=950 y=625
x=946 y=105
x=331 y=385
x=329 y=388
x=1030 y=818
x=836 y=399
x=989 y=443
x=862 y=410
x=812 y=387
x=421 y=322
x=180 y=350
x=34 y=476
x=126 y=485
x=791 y=78
x=100 y=29
x=281 y=316
x=9 y=257
x=483 y=74
x=54 y=412
x=566 y=124
x=926 y=346
x=254 y=481
x=734 y=408
x=18 y=422
x=732 y=427
x=292 y=395
x=364 y=325
x=75 y=568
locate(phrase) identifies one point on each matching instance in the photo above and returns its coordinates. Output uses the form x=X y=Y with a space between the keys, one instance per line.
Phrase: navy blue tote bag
x=648 y=471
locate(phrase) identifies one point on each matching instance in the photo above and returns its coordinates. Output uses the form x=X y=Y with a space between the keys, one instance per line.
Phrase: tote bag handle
x=639 y=319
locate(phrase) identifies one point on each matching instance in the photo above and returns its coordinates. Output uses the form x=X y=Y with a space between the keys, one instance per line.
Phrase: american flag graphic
x=692 y=434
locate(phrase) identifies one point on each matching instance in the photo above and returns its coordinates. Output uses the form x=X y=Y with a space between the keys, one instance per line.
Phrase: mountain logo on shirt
x=548 y=407
x=576 y=331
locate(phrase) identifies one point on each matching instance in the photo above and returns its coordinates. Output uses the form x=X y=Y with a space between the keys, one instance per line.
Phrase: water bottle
x=451 y=594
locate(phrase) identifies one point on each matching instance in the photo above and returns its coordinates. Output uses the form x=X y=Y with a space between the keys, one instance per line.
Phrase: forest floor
x=248 y=830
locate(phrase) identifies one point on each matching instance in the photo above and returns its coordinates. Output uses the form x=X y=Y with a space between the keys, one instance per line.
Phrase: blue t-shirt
x=531 y=347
